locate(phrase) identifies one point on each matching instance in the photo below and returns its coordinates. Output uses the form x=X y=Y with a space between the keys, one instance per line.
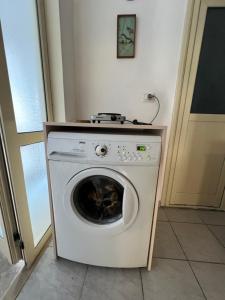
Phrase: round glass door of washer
x=101 y=198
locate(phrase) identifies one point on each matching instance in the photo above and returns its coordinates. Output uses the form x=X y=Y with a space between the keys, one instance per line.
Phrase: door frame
x=184 y=72
x=41 y=18
x=12 y=249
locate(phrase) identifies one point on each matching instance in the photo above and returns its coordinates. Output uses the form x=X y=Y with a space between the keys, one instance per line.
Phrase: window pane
x=209 y=89
x=34 y=168
x=21 y=40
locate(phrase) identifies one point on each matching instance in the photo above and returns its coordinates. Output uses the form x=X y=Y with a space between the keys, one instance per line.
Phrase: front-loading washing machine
x=103 y=194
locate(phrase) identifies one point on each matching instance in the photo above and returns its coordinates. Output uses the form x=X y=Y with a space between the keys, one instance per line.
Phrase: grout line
x=197 y=280
x=218 y=240
x=213 y=224
x=190 y=209
x=142 y=287
x=216 y=225
x=199 y=215
x=191 y=260
x=183 y=222
x=85 y=276
x=172 y=258
x=206 y=222
x=178 y=241
x=188 y=262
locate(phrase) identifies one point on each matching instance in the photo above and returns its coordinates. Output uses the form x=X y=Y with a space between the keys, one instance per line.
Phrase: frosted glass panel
x=1 y=226
x=34 y=168
x=1 y=233
x=21 y=40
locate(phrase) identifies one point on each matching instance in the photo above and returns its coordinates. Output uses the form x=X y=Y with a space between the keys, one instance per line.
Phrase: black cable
x=136 y=122
x=157 y=112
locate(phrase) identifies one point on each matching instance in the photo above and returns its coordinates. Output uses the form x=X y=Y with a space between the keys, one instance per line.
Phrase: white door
x=199 y=176
x=24 y=108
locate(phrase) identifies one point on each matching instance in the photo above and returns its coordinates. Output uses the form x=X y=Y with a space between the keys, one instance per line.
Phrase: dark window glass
x=209 y=91
x=99 y=199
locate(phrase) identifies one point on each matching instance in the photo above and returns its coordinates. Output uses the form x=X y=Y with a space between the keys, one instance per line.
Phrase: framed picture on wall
x=126 y=31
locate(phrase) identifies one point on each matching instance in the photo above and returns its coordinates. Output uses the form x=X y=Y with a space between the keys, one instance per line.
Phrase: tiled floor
x=7 y=273
x=189 y=263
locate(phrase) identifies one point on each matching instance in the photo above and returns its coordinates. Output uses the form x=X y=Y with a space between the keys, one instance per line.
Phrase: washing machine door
x=101 y=200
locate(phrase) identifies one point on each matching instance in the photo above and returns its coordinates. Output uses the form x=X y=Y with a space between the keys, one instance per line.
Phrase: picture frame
x=126 y=36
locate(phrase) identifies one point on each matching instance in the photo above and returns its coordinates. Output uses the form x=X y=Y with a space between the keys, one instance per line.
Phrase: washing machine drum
x=101 y=200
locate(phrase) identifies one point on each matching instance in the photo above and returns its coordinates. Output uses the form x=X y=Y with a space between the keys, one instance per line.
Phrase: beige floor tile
x=219 y=232
x=8 y=273
x=211 y=278
x=166 y=244
x=183 y=215
x=198 y=242
x=53 y=279
x=170 y=280
x=212 y=217
x=112 y=284
x=161 y=215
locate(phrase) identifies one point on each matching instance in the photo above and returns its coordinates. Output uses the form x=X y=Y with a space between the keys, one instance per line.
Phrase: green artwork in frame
x=126 y=30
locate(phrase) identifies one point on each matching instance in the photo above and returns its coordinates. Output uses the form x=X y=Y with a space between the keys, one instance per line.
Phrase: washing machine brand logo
x=79 y=147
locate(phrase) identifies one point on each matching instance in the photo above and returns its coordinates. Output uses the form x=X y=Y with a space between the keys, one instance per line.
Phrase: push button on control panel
x=128 y=154
x=124 y=152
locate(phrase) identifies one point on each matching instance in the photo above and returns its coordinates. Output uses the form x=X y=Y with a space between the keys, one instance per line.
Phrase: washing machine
x=103 y=194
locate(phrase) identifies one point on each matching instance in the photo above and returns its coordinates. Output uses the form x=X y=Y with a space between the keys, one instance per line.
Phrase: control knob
x=101 y=150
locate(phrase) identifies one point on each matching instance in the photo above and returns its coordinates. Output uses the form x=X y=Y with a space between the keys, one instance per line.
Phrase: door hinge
x=18 y=240
x=21 y=245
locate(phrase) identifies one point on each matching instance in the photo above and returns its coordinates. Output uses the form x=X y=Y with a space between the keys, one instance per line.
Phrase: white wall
x=104 y=83
x=54 y=39
x=67 y=38
x=60 y=38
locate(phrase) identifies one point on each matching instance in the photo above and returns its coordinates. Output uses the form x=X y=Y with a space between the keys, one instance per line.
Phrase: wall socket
x=148 y=97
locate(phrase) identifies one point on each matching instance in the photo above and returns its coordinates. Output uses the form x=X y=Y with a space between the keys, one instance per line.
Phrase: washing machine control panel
x=125 y=152
x=103 y=148
x=141 y=152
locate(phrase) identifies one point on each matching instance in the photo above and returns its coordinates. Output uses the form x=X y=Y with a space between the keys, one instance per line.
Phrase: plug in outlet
x=148 y=97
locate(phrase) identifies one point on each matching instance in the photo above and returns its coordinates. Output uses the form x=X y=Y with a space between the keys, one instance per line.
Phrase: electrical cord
x=136 y=122
x=158 y=109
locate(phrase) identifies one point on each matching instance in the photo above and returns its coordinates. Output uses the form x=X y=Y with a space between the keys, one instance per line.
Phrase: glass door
x=23 y=111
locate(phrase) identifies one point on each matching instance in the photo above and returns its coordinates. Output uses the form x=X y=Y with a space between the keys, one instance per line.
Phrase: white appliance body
x=103 y=193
